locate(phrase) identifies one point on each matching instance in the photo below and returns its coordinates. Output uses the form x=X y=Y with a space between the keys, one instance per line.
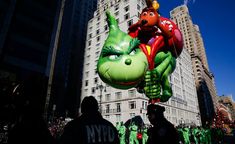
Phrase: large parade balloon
x=143 y=58
x=121 y=64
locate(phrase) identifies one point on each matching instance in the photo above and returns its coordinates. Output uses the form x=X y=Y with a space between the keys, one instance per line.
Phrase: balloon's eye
x=113 y=57
x=151 y=14
x=133 y=52
x=145 y=13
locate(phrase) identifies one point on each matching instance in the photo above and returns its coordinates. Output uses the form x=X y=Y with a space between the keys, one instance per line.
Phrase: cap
x=89 y=104
x=157 y=109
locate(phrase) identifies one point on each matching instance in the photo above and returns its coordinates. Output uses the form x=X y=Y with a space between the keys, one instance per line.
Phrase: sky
x=216 y=21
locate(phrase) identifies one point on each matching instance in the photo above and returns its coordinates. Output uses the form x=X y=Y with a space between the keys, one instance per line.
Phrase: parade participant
x=186 y=135
x=133 y=134
x=162 y=132
x=90 y=127
x=145 y=136
x=122 y=133
x=196 y=135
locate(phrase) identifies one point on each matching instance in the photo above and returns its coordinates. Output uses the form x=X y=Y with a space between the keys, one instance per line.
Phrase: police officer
x=90 y=127
x=162 y=132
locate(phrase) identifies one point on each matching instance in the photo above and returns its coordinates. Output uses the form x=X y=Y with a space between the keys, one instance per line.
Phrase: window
x=90 y=35
x=97 y=31
x=93 y=90
x=173 y=111
x=132 y=104
x=116 y=13
x=138 y=7
x=89 y=43
x=129 y=23
x=87 y=74
x=146 y=104
x=98 y=38
x=118 y=95
x=96 y=80
x=106 y=27
x=118 y=105
x=126 y=8
x=88 y=57
x=107 y=108
x=116 y=7
x=131 y=93
x=86 y=83
x=127 y=16
x=90 y=28
x=97 y=54
x=96 y=72
x=107 y=97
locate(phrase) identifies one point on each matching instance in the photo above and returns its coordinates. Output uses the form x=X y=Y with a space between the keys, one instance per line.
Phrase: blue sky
x=216 y=21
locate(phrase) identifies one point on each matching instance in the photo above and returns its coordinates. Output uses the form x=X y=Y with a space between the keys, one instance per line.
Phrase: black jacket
x=163 y=133
x=90 y=128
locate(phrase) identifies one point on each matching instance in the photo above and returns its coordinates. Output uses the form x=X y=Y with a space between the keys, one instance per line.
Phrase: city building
x=121 y=105
x=204 y=79
x=65 y=77
x=26 y=34
x=42 y=42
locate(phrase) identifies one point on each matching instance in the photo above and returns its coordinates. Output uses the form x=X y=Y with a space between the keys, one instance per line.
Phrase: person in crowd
x=133 y=128
x=122 y=133
x=162 y=132
x=145 y=136
x=90 y=127
x=30 y=127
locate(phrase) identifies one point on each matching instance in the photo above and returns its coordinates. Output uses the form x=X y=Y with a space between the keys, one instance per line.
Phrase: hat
x=89 y=104
x=157 y=109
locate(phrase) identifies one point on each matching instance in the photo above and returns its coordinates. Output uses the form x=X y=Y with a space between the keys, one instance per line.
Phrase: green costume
x=208 y=135
x=122 y=134
x=196 y=135
x=133 y=134
x=144 y=136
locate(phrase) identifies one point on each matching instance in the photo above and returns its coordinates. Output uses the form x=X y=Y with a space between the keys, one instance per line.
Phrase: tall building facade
x=204 y=79
x=26 y=32
x=66 y=71
x=121 y=105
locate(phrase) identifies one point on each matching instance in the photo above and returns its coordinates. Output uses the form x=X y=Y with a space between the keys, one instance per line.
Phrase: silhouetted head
x=89 y=105
x=157 y=109
x=155 y=113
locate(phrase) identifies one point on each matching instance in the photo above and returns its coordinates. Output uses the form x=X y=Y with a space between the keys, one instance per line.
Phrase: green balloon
x=121 y=63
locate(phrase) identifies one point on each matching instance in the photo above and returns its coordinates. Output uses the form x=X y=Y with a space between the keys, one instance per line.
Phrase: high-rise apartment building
x=121 y=105
x=204 y=79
